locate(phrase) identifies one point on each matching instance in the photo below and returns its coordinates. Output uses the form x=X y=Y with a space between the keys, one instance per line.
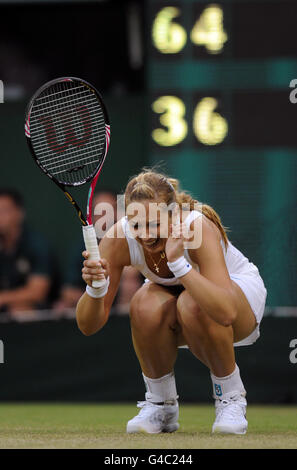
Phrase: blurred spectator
x=26 y=265
x=131 y=281
x=74 y=285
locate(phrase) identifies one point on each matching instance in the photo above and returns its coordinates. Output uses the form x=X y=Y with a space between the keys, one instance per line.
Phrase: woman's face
x=149 y=223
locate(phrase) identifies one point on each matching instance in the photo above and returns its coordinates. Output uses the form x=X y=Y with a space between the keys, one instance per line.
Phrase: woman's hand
x=175 y=244
x=94 y=270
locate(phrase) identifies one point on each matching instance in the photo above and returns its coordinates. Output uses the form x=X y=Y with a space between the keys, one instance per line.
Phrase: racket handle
x=92 y=247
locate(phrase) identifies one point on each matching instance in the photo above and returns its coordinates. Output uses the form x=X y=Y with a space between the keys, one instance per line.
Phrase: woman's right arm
x=92 y=314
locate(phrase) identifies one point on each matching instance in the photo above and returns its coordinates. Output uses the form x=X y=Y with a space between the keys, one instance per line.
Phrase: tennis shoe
x=230 y=414
x=155 y=418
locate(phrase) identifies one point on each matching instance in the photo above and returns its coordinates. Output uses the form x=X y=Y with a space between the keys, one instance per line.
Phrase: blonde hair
x=151 y=185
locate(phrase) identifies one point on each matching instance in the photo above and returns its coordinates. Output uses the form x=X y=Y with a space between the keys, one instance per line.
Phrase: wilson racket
x=68 y=132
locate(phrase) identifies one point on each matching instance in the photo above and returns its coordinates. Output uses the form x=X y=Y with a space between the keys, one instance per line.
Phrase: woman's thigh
x=242 y=327
x=245 y=322
x=153 y=304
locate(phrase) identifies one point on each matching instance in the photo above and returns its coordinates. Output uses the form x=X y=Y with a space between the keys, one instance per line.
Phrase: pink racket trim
x=27 y=127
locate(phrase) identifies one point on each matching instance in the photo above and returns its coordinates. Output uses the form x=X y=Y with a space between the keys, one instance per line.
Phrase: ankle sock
x=160 y=390
x=230 y=383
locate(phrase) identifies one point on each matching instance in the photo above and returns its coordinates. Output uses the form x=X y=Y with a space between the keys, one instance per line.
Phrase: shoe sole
x=170 y=428
x=222 y=430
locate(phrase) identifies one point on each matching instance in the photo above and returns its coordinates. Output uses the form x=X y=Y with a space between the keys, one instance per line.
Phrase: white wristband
x=98 y=292
x=179 y=267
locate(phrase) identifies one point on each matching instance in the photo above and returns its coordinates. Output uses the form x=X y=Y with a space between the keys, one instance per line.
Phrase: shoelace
x=230 y=407
x=145 y=408
x=145 y=412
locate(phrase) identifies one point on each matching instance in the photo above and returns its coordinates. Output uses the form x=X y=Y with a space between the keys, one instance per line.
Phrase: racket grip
x=92 y=247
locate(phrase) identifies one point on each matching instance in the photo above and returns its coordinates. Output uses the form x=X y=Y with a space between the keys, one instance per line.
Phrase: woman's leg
x=214 y=343
x=209 y=341
x=206 y=338
x=156 y=336
x=155 y=332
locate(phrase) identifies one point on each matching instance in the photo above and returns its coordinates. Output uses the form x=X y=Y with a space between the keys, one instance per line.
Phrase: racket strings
x=55 y=167
x=70 y=117
x=58 y=120
x=68 y=133
x=73 y=169
x=55 y=110
x=53 y=137
x=72 y=163
x=74 y=93
x=44 y=158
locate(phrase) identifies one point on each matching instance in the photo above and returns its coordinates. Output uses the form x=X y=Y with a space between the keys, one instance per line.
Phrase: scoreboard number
x=208 y=30
x=173 y=112
x=170 y=37
x=210 y=128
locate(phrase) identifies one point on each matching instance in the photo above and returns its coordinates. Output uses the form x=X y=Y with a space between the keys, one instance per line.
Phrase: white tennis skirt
x=253 y=288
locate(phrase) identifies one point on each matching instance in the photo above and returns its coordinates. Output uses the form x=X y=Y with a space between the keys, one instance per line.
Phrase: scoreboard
x=220 y=118
x=220 y=72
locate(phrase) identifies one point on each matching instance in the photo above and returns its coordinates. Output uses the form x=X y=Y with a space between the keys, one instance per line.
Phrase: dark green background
x=53 y=361
x=251 y=178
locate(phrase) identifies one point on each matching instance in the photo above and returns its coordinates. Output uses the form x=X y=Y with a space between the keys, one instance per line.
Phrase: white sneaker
x=231 y=414
x=154 y=418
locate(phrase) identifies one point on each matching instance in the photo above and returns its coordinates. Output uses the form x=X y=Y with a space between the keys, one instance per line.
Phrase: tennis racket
x=68 y=132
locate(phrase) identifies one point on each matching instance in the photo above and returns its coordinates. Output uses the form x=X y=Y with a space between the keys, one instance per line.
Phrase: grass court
x=103 y=426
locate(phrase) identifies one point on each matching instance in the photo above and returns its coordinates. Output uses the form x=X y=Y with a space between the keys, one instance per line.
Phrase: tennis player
x=208 y=298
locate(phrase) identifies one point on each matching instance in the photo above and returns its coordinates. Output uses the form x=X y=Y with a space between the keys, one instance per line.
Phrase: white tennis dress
x=241 y=271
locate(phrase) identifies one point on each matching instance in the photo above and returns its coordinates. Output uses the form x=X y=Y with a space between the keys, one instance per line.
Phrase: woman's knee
x=187 y=309
x=149 y=311
x=192 y=318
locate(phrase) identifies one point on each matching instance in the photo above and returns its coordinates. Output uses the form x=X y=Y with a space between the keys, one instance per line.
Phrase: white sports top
x=236 y=262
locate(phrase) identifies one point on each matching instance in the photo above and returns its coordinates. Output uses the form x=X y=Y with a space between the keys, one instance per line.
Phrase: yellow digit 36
x=209 y=127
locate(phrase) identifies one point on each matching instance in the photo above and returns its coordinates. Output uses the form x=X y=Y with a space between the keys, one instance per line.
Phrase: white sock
x=161 y=389
x=230 y=383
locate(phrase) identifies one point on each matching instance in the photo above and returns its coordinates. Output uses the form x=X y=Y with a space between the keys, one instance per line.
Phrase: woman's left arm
x=212 y=287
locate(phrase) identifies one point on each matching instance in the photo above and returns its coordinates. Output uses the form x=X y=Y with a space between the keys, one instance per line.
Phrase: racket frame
x=88 y=229
x=95 y=174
